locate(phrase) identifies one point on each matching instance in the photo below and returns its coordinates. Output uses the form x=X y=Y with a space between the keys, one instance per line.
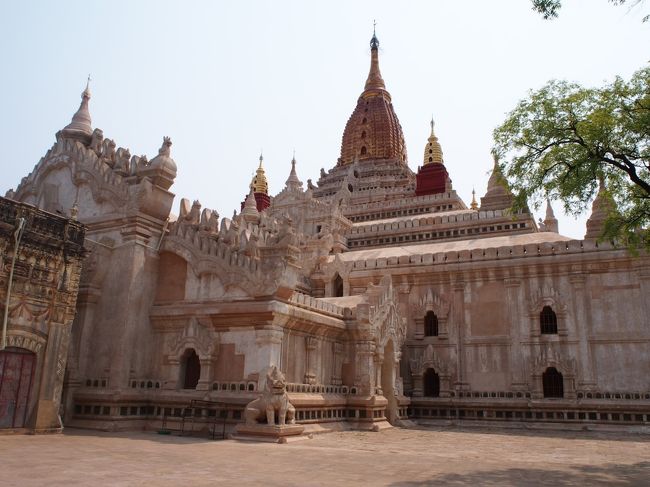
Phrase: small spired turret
x=550 y=222
x=601 y=209
x=293 y=183
x=498 y=195
x=260 y=188
x=80 y=128
x=432 y=176
x=249 y=212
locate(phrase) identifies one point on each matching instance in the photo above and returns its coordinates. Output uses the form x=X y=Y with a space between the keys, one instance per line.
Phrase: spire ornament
x=433 y=150
x=473 y=205
x=80 y=126
x=259 y=182
x=293 y=182
x=374 y=42
x=374 y=81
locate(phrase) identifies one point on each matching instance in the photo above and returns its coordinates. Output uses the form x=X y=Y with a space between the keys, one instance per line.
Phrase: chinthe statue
x=273 y=403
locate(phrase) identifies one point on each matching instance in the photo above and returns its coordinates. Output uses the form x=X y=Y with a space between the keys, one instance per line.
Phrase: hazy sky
x=226 y=79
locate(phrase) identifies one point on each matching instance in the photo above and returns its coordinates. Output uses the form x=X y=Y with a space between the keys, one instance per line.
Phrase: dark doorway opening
x=338 y=286
x=192 y=370
x=553 y=383
x=431 y=383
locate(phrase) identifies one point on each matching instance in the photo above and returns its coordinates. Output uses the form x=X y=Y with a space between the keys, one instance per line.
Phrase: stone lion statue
x=273 y=401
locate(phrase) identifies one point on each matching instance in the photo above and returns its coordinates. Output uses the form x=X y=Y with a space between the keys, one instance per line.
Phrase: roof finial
x=261 y=158
x=80 y=126
x=293 y=183
x=433 y=150
x=474 y=204
x=259 y=182
x=374 y=42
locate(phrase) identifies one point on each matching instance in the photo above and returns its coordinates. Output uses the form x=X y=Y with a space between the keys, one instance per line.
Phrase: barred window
x=548 y=321
x=431 y=324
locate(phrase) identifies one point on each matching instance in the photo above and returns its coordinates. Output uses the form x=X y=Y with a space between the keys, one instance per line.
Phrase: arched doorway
x=16 y=375
x=191 y=370
x=388 y=382
x=431 y=383
x=553 y=383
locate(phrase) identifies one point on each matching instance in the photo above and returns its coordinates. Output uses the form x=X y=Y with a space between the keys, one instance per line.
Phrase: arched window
x=364 y=150
x=430 y=324
x=553 y=383
x=548 y=321
x=431 y=383
x=363 y=134
x=192 y=369
x=430 y=159
x=338 y=286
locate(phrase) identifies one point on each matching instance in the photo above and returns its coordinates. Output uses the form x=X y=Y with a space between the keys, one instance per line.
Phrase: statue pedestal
x=269 y=433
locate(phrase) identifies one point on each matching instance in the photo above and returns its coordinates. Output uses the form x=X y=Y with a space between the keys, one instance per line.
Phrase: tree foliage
x=563 y=138
x=550 y=8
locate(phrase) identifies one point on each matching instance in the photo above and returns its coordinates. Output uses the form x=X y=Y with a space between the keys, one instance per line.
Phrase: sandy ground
x=398 y=457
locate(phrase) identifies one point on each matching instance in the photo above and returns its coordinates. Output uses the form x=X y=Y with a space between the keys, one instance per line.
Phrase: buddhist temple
x=373 y=297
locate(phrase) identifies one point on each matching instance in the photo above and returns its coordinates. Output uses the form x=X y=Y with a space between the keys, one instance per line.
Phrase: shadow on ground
x=643 y=437
x=637 y=474
x=149 y=435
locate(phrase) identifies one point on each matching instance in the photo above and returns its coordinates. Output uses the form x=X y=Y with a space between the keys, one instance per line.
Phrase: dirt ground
x=396 y=457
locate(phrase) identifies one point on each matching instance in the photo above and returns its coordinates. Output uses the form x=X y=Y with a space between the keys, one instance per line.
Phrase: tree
x=562 y=139
x=550 y=8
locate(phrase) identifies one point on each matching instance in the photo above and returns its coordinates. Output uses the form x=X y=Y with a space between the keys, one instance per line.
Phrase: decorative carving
x=551 y=357
x=273 y=403
x=426 y=359
x=33 y=344
x=431 y=301
x=384 y=316
x=547 y=296
x=195 y=335
x=165 y=148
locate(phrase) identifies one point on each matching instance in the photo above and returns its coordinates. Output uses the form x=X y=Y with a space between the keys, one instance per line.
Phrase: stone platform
x=270 y=433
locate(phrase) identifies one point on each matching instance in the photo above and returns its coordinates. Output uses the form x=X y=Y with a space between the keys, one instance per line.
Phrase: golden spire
x=374 y=81
x=259 y=184
x=473 y=205
x=433 y=150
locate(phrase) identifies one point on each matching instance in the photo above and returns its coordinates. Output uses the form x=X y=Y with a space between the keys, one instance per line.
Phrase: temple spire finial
x=433 y=150
x=374 y=81
x=374 y=42
x=80 y=126
x=293 y=183
x=473 y=205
